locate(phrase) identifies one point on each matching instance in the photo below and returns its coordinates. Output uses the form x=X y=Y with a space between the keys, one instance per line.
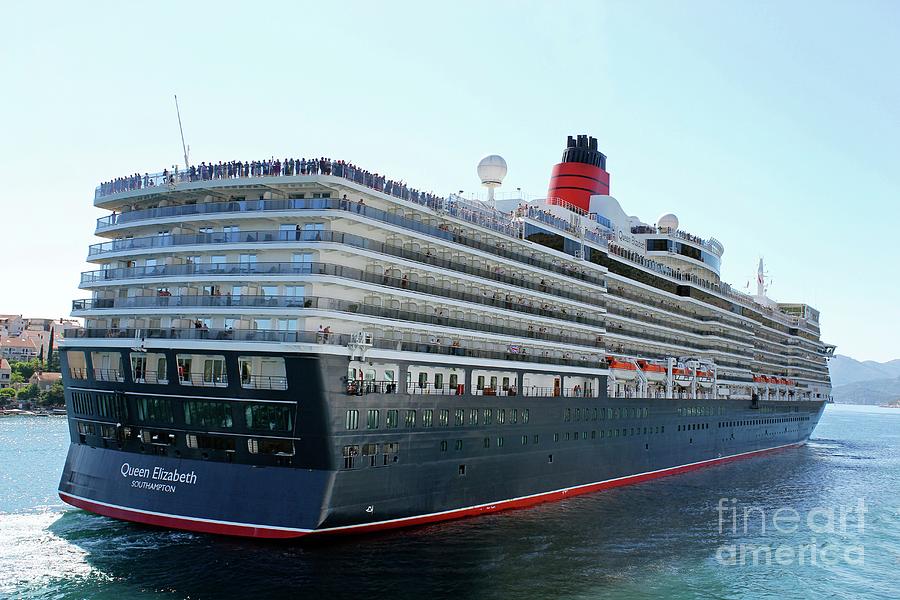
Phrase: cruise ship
x=294 y=347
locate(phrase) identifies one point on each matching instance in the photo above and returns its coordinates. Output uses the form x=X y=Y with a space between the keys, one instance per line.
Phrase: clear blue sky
x=773 y=126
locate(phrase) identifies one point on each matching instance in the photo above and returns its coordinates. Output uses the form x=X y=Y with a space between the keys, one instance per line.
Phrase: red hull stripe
x=268 y=531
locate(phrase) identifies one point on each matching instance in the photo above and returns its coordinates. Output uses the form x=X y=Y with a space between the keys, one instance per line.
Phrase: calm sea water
x=664 y=538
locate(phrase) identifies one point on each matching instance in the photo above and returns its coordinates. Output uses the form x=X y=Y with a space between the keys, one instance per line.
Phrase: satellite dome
x=667 y=221
x=492 y=170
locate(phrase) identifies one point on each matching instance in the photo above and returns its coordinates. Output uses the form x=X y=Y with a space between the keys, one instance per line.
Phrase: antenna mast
x=187 y=165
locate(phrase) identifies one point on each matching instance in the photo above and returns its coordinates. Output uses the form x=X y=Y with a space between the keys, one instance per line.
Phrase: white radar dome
x=492 y=170
x=667 y=221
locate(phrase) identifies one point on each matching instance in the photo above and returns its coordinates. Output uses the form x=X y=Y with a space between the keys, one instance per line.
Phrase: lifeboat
x=652 y=371
x=621 y=369
x=682 y=377
x=759 y=379
x=705 y=378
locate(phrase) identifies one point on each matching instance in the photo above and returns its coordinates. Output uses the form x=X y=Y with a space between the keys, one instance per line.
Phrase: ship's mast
x=760 y=280
x=187 y=165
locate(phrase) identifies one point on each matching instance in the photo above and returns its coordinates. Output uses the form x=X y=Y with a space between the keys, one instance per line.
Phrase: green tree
x=7 y=395
x=16 y=379
x=29 y=393
x=55 y=396
x=25 y=368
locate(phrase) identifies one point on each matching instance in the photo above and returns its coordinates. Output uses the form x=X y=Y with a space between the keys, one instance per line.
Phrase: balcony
x=314 y=237
x=336 y=339
x=440 y=232
x=296 y=304
x=302 y=269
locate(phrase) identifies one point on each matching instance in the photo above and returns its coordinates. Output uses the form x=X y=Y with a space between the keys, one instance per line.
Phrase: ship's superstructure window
x=148 y=367
x=269 y=417
x=112 y=406
x=428 y=417
x=206 y=413
x=352 y=421
x=81 y=403
x=107 y=366
x=410 y=419
x=270 y=446
x=372 y=419
x=77 y=364
x=444 y=417
x=212 y=370
x=262 y=372
x=390 y=420
x=154 y=410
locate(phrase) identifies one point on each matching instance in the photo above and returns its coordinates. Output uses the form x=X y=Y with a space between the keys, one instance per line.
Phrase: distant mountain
x=846 y=370
x=876 y=391
x=867 y=382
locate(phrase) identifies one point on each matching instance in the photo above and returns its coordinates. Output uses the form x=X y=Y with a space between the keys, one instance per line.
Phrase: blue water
x=658 y=539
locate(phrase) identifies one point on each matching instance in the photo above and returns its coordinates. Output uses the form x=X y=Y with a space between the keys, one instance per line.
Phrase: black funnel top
x=583 y=149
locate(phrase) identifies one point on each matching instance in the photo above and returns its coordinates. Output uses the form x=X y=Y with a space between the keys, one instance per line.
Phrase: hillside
x=866 y=382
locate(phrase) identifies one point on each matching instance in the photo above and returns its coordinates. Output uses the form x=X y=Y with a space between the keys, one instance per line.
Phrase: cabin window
x=390 y=420
x=444 y=446
x=486 y=442
x=410 y=419
x=81 y=403
x=391 y=452
x=444 y=417
x=453 y=381
x=480 y=383
x=154 y=410
x=77 y=364
x=473 y=416
x=214 y=371
x=568 y=415
x=262 y=372
x=350 y=453
x=352 y=421
x=269 y=417
x=525 y=415
x=107 y=366
x=459 y=444
x=501 y=416
x=488 y=416
x=428 y=417
x=270 y=446
x=372 y=419
x=423 y=380
x=438 y=381
x=112 y=406
x=513 y=415
x=206 y=413
x=459 y=417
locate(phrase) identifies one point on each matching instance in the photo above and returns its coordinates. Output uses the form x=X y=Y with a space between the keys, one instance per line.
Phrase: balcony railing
x=340 y=339
x=329 y=269
x=349 y=240
x=298 y=303
x=441 y=232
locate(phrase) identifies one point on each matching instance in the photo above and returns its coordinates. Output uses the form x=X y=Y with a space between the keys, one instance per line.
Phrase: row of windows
x=608 y=413
x=748 y=422
x=369 y=453
x=194 y=441
x=461 y=416
x=693 y=427
x=197 y=413
x=568 y=436
x=700 y=411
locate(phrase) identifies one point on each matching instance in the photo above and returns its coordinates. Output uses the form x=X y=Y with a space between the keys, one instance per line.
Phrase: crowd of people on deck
x=272 y=167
